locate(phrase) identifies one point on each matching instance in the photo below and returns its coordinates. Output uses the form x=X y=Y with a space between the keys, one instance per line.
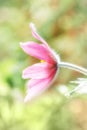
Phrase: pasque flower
x=42 y=74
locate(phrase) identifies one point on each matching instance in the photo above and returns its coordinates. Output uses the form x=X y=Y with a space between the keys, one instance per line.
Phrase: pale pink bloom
x=41 y=74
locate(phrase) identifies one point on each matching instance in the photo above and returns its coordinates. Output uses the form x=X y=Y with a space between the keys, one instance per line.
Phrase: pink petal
x=38 y=86
x=37 y=50
x=36 y=35
x=32 y=83
x=38 y=71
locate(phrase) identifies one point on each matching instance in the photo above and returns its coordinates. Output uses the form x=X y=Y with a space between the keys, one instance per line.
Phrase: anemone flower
x=42 y=74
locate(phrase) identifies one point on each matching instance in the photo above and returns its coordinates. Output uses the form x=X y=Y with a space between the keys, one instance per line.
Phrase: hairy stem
x=73 y=67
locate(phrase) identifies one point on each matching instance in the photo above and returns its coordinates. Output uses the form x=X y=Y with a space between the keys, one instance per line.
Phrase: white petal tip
x=21 y=43
x=26 y=99
x=32 y=26
x=23 y=77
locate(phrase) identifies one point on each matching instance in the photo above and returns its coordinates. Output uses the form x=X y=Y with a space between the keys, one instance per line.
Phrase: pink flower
x=41 y=74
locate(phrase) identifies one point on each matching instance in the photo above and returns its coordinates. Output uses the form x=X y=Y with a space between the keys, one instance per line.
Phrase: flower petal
x=37 y=50
x=38 y=71
x=37 y=87
x=36 y=35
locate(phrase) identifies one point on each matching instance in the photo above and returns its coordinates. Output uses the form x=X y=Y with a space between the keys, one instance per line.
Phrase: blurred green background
x=63 y=24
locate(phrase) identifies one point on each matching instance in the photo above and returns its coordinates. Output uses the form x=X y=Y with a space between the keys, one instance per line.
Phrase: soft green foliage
x=63 y=23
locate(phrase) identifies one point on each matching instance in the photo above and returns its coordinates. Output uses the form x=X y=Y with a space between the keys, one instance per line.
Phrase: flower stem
x=73 y=67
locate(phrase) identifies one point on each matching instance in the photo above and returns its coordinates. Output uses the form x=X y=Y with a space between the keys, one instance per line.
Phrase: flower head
x=41 y=74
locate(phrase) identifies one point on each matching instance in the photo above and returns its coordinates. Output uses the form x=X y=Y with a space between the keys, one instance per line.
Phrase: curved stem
x=73 y=67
